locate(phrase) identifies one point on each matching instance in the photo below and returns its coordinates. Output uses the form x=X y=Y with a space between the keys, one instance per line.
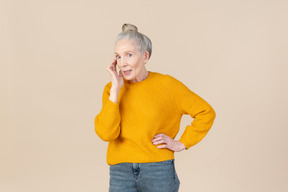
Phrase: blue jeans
x=144 y=177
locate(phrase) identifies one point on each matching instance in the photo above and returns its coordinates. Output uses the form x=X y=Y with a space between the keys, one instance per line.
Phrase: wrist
x=114 y=89
x=182 y=145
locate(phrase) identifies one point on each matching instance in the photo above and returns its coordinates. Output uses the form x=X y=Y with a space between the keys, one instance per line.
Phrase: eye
x=129 y=55
x=118 y=57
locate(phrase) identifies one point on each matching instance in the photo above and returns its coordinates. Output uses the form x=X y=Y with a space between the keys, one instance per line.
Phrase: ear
x=146 y=56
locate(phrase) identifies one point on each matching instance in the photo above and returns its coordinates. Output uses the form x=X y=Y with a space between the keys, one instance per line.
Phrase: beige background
x=54 y=56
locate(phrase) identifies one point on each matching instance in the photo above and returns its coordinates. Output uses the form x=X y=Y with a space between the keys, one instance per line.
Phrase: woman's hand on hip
x=168 y=143
x=117 y=80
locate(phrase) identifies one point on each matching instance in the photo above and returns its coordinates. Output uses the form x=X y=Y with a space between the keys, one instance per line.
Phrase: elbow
x=213 y=113
x=106 y=131
x=209 y=113
x=105 y=136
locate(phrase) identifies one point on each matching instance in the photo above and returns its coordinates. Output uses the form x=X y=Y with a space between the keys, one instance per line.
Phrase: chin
x=129 y=78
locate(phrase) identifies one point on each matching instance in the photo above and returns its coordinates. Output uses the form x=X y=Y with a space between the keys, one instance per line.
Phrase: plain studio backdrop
x=54 y=55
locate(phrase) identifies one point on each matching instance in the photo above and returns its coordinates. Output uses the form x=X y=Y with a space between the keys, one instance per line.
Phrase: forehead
x=124 y=45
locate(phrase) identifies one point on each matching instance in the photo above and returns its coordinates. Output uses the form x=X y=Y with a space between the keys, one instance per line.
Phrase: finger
x=120 y=74
x=110 y=69
x=159 y=142
x=161 y=146
x=162 y=136
x=114 y=61
x=159 y=135
x=157 y=139
x=113 y=65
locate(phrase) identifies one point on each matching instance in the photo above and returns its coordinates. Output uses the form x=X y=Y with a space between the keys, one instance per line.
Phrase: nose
x=121 y=62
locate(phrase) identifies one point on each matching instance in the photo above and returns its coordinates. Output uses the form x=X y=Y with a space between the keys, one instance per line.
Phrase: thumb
x=120 y=74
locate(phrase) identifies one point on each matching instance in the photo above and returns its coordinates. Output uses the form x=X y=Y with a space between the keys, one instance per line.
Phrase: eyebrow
x=125 y=52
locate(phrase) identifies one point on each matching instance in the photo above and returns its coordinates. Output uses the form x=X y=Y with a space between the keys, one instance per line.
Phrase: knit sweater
x=146 y=108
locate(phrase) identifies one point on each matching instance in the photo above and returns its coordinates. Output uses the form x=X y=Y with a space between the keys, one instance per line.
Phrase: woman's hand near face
x=168 y=143
x=117 y=80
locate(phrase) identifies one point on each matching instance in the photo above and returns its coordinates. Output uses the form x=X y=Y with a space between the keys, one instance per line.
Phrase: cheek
x=133 y=62
x=137 y=62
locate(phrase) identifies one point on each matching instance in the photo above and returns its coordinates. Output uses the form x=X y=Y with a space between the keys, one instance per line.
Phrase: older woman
x=140 y=117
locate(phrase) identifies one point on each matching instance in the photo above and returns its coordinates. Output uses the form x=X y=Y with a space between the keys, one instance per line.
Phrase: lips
x=127 y=72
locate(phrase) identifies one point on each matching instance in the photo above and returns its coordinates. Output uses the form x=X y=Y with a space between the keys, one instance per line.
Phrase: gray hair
x=130 y=32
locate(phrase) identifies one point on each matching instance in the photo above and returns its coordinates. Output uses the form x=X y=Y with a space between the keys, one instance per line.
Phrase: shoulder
x=177 y=86
x=171 y=83
x=164 y=77
x=172 y=80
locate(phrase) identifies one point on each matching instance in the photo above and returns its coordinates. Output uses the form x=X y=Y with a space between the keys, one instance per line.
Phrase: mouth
x=127 y=72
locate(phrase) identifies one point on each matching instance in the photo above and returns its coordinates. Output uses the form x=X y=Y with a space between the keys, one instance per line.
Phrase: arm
x=187 y=102
x=190 y=103
x=204 y=117
x=107 y=122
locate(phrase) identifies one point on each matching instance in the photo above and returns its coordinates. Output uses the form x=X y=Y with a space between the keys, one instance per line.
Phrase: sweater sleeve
x=202 y=113
x=107 y=122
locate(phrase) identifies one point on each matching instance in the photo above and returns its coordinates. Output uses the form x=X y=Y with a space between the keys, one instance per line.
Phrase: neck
x=146 y=74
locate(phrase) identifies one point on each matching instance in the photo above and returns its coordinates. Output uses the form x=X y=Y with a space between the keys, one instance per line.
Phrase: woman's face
x=130 y=60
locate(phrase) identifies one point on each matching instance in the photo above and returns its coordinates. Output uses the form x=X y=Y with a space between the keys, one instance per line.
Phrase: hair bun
x=127 y=27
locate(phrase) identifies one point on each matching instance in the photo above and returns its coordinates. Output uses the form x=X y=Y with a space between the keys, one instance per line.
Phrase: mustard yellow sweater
x=146 y=108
